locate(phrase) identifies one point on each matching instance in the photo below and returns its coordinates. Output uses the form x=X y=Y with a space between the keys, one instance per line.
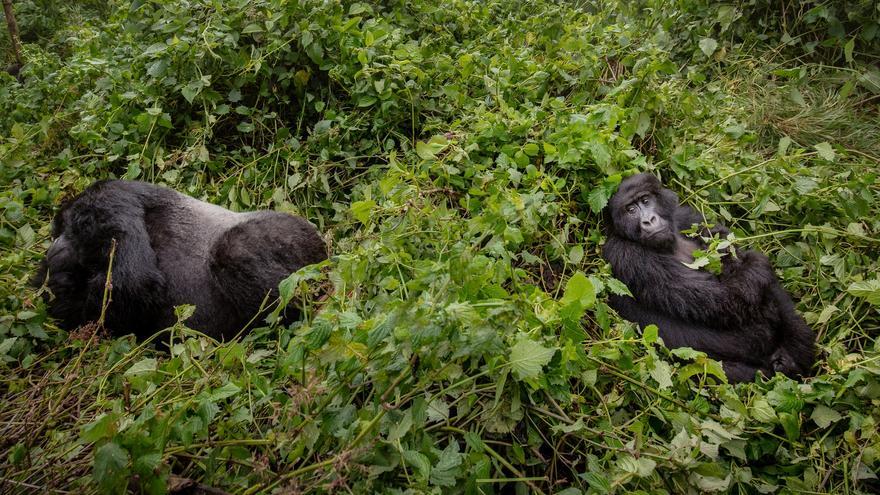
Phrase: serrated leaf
x=528 y=357
x=708 y=46
x=662 y=374
x=447 y=468
x=597 y=199
x=224 y=392
x=419 y=461
x=438 y=410
x=824 y=416
x=868 y=289
x=825 y=151
x=101 y=428
x=401 y=428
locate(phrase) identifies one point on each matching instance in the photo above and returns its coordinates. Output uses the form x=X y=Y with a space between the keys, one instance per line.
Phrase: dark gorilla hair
x=171 y=249
x=743 y=317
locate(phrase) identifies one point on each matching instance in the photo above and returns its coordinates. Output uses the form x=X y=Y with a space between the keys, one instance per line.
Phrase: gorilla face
x=641 y=213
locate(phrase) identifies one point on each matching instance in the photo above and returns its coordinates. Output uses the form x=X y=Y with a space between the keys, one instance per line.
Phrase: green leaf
x=848 y=50
x=576 y=254
x=791 y=423
x=141 y=367
x=762 y=411
x=579 y=291
x=429 y=150
x=597 y=481
x=825 y=151
x=597 y=199
x=662 y=374
x=869 y=290
x=527 y=357
x=419 y=461
x=824 y=416
x=708 y=46
x=192 y=89
x=650 y=334
x=110 y=468
x=361 y=210
x=224 y=392
x=447 y=468
x=102 y=428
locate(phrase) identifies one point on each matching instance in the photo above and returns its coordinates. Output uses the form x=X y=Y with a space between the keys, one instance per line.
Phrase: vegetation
x=458 y=155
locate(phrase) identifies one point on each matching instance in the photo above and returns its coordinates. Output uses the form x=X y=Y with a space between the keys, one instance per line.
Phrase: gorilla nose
x=649 y=221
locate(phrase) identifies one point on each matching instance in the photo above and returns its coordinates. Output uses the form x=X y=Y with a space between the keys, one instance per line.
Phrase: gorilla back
x=171 y=249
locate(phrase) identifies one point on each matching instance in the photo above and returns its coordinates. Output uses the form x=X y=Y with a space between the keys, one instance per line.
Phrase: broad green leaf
x=597 y=199
x=824 y=416
x=110 y=468
x=447 y=468
x=762 y=411
x=662 y=373
x=429 y=150
x=361 y=210
x=141 y=367
x=527 y=357
x=579 y=290
x=419 y=461
x=224 y=392
x=101 y=428
x=825 y=151
x=576 y=254
x=868 y=289
x=708 y=46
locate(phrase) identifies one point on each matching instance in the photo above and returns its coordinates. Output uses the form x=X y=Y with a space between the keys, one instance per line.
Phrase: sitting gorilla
x=171 y=249
x=742 y=318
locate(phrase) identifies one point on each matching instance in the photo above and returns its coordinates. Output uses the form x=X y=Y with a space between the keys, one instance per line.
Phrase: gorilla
x=171 y=249
x=742 y=317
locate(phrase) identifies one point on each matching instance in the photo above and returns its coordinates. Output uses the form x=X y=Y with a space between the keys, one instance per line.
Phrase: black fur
x=742 y=317
x=171 y=249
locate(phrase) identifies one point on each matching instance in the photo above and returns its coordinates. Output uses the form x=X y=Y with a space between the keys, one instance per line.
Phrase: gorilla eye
x=644 y=199
x=631 y=209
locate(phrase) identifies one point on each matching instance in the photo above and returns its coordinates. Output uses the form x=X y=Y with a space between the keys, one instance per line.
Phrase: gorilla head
x=642 y=211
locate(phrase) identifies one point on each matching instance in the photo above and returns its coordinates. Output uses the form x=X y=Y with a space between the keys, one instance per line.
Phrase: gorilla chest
x=684 y=249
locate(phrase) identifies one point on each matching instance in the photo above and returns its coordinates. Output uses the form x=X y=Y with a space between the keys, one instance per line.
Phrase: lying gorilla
x=171 y=249
x=743 y=317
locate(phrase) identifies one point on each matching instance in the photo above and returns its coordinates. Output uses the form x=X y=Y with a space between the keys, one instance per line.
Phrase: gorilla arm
x=660 y=281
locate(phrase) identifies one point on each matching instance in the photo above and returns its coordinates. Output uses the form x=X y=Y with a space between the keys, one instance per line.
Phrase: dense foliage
x=458 y=155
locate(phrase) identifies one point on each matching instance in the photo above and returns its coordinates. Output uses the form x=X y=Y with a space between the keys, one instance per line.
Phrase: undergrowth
x=457 y=156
